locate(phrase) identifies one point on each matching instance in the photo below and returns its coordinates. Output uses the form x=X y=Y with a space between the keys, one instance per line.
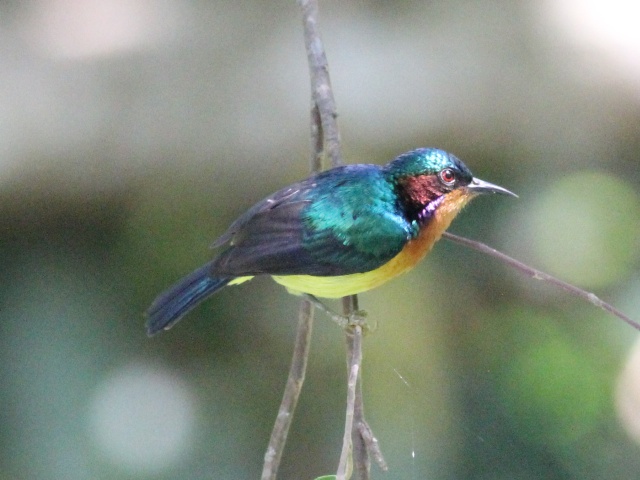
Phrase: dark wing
x=266 y=238
x=340 y=222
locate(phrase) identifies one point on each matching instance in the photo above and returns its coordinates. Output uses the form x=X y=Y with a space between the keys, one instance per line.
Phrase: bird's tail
x=172 y=304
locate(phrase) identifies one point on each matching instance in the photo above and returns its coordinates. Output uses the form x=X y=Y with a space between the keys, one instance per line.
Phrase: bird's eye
x=448 y=176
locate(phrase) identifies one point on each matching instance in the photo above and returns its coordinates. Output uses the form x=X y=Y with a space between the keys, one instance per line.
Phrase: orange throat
x=416 y=249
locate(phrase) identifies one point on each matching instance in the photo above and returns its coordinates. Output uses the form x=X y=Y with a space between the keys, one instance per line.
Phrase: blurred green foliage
x=122 y=162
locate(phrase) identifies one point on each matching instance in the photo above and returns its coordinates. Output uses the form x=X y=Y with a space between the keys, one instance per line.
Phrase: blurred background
x=132 y=132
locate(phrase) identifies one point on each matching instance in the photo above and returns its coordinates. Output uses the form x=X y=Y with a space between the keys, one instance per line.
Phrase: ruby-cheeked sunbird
x=340 y=232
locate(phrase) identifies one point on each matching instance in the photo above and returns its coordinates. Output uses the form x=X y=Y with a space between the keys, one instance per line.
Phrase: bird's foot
x=355 y=318
x=358 y=318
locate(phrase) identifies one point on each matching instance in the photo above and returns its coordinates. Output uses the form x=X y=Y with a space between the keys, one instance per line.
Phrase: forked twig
x=325 y=137
x=324 y=103
x=545 y=277
x=364 y=445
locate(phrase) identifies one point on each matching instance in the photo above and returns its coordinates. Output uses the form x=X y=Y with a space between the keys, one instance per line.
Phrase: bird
x=340 y=232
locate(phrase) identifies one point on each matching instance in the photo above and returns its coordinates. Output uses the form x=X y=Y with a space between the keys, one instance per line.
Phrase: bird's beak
x=478 y=186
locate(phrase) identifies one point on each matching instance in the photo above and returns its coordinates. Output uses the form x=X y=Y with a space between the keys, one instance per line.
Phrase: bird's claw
x=348 y=321
x=357 y=318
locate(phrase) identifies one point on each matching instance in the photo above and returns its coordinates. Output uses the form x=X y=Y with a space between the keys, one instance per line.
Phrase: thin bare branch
x=321 y=91
x=361 y=458
x=545 y=277
x=370 y=442
x=354 y=342
x=292 y=391
x=363 y=444
x=326 y=139
x=323 y=100
x=317 y=140
x=301 y=348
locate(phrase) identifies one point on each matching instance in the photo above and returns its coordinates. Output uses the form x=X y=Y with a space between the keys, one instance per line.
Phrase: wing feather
x=336 y=223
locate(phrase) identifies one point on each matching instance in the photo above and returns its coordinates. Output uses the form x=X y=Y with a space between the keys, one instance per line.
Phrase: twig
x=545 y=277
x=360 y=437
x=321 y=92
x=325 y=113
x=354 y=342
x=317 y=140
x=302 y=344
x=370 y=443
x=291 y=393
x=364 y=443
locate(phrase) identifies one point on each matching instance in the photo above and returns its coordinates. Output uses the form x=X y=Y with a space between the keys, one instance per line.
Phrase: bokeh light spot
x=142 y=419
x=89 y=28
x=609 y=25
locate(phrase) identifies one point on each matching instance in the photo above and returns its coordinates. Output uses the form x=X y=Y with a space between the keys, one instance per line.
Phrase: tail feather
x=172 y=304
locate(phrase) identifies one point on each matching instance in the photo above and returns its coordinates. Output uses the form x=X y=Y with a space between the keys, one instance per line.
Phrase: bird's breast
x=414 y=251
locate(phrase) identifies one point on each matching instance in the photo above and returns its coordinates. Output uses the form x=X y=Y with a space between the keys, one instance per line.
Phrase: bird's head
x=429 y=180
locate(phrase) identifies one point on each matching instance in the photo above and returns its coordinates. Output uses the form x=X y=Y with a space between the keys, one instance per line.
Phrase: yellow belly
x=411 y=254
